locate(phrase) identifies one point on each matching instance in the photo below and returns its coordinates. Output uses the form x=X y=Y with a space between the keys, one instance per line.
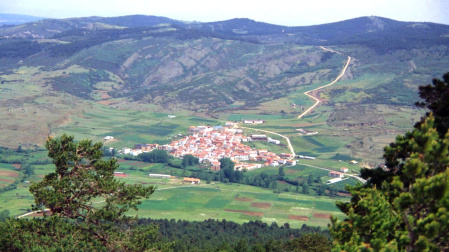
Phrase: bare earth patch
x=344 y=194
x=250 y=213
x=261 y=205
x=106 y=102
x=9 y=174
x=298 y=217
x=290 y=171
x=7 y=180
x=321 y=215
x=121 y=175
x=243 y=199
x=281 y=182
x=17 y=166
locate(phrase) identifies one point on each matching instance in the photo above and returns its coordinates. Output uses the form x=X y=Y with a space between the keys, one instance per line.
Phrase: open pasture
x=235 y=203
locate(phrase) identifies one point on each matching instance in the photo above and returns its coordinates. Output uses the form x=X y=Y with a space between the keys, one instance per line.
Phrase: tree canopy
x=405 y=205
x=86 y=205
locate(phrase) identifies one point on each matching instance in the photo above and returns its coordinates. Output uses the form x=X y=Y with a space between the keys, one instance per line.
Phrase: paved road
x=290 y=146
x=328 y=169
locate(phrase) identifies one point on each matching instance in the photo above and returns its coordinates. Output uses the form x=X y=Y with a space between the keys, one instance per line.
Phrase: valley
x=147 y=80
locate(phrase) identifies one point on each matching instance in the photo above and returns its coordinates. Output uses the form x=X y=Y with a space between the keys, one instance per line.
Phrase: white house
x=290 y=162
x=344 y=169
x=126 y=150
x=152 y=175
x=253 y=121
x=135 y=152
x=271 y=140
x=106 y=138
x=171 y=116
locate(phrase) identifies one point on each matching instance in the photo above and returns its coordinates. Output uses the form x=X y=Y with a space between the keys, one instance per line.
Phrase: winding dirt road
x=317 y=101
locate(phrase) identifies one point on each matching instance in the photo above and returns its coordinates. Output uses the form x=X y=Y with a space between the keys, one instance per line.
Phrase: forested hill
x=216 y=65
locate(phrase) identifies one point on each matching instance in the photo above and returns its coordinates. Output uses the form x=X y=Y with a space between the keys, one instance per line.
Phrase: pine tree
x=71 y=193
x=404 y=207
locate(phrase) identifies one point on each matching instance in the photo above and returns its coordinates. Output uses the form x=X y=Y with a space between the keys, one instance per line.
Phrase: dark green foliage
x=81 y=177
x=436 y=99
x=155 y=156
x=79 y=84
x=213 y=235
x=188 y=160
x=4 y=215
x=19 y=49
x=404 y=206
x=227 y=171
x=305 y=188
x=281 y=171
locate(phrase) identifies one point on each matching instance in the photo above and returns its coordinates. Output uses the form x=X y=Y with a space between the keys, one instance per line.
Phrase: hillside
x=15 y=19
x=53 y=71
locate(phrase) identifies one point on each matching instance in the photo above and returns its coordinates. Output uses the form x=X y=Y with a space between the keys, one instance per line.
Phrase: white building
x=106 y=138
x=271 y=140
x=152 y=175
x=126 y=150
x=334 y=174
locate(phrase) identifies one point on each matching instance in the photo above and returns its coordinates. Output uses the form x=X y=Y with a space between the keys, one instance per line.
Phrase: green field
x=224 y=201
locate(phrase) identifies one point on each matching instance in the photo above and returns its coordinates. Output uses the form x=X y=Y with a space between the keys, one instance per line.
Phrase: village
x=212 y=143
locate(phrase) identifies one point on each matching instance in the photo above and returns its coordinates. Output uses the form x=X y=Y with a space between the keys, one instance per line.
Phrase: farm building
x=106 y=138
x=259 y=137
x=246 y=121
x=353 y=162
x=271 y=140
x=152 y=175
x=344 y=169
x=290 y=162
x=191 y=180
x=334 y=174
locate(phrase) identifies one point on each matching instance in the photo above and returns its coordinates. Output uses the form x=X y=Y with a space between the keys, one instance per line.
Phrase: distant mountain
x=216 y=67
x=166 y=61
x=15 y=19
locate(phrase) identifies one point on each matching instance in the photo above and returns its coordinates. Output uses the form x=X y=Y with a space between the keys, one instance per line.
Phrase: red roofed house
x=334 y=174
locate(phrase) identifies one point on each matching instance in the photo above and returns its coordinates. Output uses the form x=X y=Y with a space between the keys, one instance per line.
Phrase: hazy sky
x=282 y=12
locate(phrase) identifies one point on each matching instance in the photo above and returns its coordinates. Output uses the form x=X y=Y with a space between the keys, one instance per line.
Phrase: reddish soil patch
x=281 y=182
x=321 y=215
x=40 y=176
x=137 y=163
x=344 y=194
x=17 y=166
x=261 y=205
x=9 y=174
x=107 y=102
x=121 y=175
x=121 y=161
x=298 y=217
x=290 y=171
x=244 y=199
x=250 y=213
x=7 y=180
x=105 y=96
